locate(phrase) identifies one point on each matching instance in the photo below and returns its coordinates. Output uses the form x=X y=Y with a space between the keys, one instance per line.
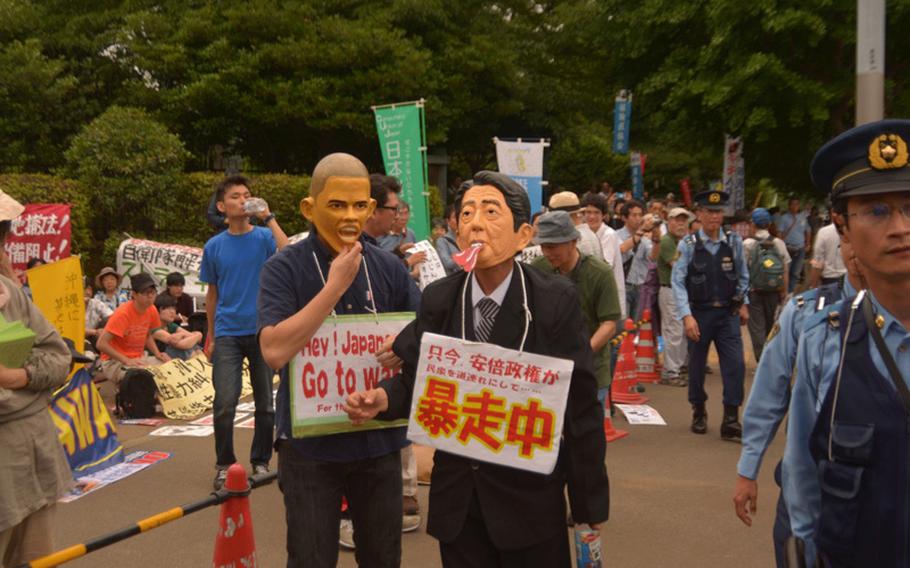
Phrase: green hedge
x=182 y=221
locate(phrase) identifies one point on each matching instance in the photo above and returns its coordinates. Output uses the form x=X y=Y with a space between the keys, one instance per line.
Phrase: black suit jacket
x=520 y=508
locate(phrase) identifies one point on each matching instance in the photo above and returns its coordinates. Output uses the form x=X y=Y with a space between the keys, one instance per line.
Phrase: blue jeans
x=227 y=362
x=797 y=256
x=633 y=292
x=312 y=503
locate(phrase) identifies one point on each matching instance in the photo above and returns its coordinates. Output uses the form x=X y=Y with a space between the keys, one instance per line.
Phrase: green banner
x=402 y=137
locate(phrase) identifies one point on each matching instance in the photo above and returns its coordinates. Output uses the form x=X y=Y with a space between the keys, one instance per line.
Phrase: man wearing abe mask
x=300 y=288
x=485 y=514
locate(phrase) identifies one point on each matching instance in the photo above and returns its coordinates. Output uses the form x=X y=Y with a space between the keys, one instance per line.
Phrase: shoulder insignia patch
x=775 y=329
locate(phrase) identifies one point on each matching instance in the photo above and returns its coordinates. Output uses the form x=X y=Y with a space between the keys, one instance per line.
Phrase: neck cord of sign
x=366 y=271
x=524 y=304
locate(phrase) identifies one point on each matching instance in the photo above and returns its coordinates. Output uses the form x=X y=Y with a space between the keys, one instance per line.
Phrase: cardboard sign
x=85 y=429
x=339 y=360
x=185 y=388
x=44 y=230
x=489 y=403
x=431 y=269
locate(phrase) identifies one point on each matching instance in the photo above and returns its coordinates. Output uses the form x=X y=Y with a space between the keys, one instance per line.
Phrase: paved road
x=671 y=501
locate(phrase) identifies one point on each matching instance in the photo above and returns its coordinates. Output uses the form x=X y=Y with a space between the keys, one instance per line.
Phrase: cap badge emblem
x=887 y=152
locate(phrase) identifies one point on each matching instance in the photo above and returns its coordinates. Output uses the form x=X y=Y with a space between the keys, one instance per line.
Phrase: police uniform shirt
x=817 y=361
x=770 y=394
x=686 y=249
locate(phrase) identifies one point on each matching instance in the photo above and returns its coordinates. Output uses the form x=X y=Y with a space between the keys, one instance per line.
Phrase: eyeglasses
x=396 y=210
x=879 y=213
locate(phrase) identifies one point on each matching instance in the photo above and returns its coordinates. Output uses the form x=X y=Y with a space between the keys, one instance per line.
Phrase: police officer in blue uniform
x=710 y=284
x=770 y=398
x=846 y=468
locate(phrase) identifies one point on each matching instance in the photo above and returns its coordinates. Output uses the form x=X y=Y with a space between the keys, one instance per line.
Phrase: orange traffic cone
x=611 y=433
x=625 y=375
x=645 y=355
x=234 y=544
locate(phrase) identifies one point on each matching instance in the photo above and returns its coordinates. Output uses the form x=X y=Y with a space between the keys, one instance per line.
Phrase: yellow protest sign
x=57 y=291
x=185 y=388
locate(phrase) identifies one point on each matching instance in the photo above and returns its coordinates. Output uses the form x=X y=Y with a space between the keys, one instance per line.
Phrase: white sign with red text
x=489 y=403
x=339 y=360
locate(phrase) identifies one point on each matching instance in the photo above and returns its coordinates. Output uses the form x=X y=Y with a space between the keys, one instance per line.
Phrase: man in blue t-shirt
x=231 y=263
x=335 y=269
x=793 y=228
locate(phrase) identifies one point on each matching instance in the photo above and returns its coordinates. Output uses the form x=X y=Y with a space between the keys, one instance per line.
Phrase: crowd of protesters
x=697 y=269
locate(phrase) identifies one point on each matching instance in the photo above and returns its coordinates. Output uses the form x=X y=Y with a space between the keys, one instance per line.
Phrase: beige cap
x=677 y=211
x=564 y=201
x=9 y=207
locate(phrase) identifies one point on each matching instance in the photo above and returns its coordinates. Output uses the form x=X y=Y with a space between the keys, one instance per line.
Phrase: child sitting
x=185 y=343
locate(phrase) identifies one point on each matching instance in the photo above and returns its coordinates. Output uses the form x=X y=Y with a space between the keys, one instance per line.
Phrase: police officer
x=710 y=281
x=770 y=398
x=845 y=473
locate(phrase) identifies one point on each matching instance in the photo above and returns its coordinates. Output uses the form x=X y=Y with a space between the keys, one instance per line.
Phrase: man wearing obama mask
x=485 y=514
x=335 y=271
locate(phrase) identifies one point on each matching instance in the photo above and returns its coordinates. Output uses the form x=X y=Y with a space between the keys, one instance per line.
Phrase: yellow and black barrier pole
x=141 y=526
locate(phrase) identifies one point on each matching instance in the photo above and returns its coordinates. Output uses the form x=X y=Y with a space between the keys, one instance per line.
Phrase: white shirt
x=498 y=295
x=827 y=253
x=609 y=242
x=589 y=243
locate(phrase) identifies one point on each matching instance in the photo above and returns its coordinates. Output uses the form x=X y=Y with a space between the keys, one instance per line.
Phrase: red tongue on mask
x=468 y=257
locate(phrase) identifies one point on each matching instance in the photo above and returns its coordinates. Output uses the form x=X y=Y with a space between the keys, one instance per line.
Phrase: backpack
x=136 y=397
x=766 y=268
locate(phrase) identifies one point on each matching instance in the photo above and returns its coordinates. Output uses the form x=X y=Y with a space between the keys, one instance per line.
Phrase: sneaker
x=410 y=523
x=346 y=534
x=220 y=477
x=410 y=506
x=260 y=469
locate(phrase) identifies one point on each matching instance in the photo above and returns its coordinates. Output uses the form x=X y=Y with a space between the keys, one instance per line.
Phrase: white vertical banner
x=734 y=172
x=522 y=160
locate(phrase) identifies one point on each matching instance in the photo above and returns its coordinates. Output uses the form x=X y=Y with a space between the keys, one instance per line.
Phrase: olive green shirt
x=593 y=278
x=666 y=256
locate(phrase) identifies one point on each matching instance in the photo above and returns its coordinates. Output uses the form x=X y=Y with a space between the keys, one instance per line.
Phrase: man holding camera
x=709 y=282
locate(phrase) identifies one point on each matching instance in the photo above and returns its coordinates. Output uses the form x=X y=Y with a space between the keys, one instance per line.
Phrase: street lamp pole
x=870 y=61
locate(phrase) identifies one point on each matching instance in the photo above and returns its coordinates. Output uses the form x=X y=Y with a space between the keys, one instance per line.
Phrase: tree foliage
x=282 y=83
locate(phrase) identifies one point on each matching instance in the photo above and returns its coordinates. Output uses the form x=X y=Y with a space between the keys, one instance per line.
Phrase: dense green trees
x=284 y=82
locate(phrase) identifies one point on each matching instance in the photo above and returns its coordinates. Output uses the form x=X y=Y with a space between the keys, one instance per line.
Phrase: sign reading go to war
x=489 y=403
x=185 y=388
x=339 y=360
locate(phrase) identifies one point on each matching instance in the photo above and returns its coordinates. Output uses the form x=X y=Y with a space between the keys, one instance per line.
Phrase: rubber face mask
x=486 y=227
x=339 y=211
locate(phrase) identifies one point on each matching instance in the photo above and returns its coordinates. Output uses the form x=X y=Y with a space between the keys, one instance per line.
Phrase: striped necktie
x=483 y=327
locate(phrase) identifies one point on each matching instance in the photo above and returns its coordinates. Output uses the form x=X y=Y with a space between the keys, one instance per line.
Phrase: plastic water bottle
x=254 y=205
x=587 y=547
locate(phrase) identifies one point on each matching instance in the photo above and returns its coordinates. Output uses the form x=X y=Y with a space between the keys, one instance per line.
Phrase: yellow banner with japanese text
x=58 y=292
x=489 y=403
x=185 y=388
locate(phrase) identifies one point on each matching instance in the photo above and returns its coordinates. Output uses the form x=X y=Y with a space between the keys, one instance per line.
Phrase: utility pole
x=870 y=61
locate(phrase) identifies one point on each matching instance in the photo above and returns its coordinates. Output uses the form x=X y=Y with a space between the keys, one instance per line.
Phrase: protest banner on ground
x=489 y=403
x=183 y=430
x=522 y=160
x=340 y=359
x=133 y=463
x=185 y=388
x=402 y=139
x=431 y=269
x=42 y=231
x=641 y=414
x=58 y=293
x=85 y=428
x=159 y=260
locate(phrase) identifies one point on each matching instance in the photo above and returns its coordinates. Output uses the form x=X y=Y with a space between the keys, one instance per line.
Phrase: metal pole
x=870 y=61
